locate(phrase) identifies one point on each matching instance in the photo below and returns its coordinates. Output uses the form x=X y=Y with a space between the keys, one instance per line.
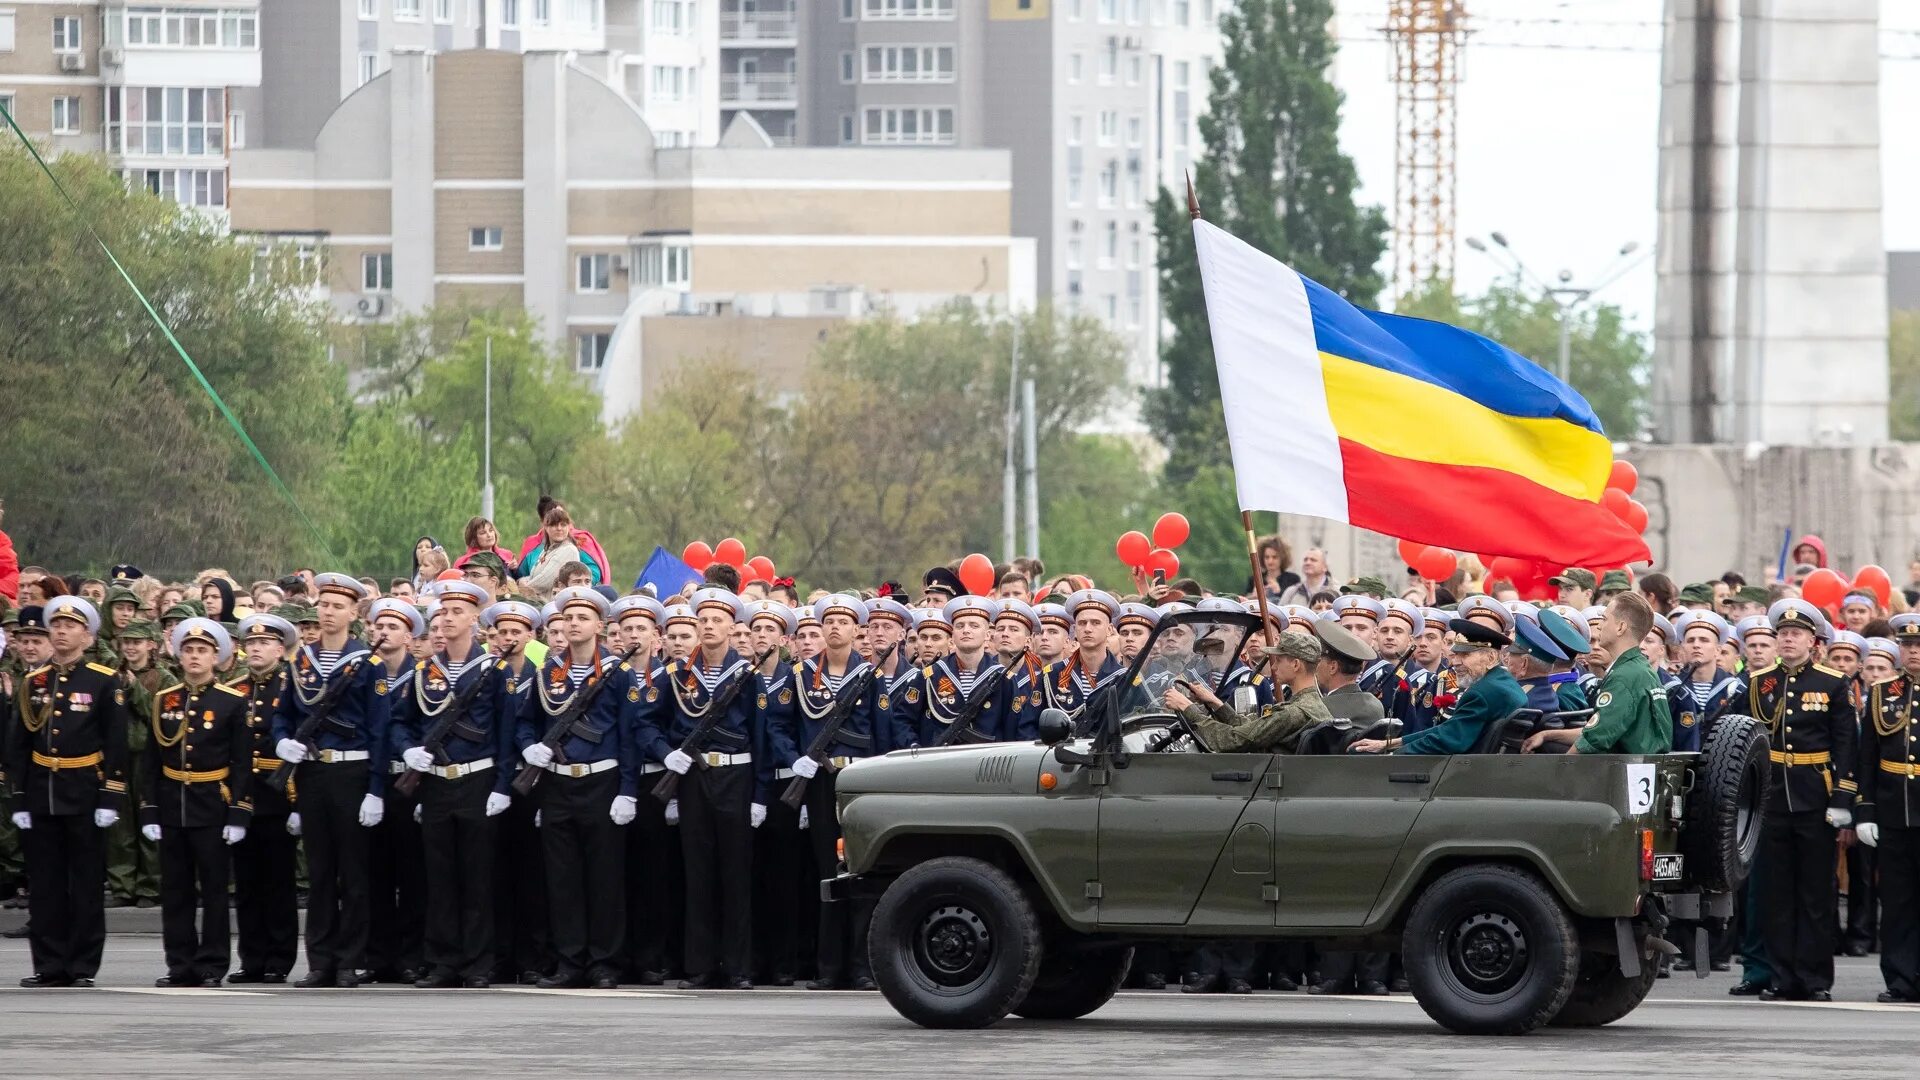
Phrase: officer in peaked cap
x=1133 y=628
x=125 y=572
x=521 y=947
x=968 y=680
x=1487 y=612
x=940 y=585
x=1539 y=652
x=1343 y=656
x=1491 y=694
x=1573 y=639
x=639 y=619
x=1070 y=682
x=1054 y=639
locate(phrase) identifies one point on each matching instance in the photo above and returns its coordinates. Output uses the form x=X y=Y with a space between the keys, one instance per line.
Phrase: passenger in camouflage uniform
x=133 y=862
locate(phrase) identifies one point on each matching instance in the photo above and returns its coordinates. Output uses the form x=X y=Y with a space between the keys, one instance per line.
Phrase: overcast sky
x=1558 y=147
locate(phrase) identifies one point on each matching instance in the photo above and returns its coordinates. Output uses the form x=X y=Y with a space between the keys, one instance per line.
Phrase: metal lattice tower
x=1427 y=36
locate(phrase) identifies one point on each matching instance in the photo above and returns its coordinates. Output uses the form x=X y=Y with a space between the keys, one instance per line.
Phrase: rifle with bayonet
x=563 y=724
x=436 y=741
x=696 y=740
x=321 y=713
x=830 y=730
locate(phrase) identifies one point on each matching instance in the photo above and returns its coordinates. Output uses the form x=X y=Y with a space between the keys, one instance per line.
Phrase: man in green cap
x=1633 y=716
x=133 y=861
x=304 y=619
x=1366 y=586
x=1697 y=596
x=489 y=571
x=1746 y=600
x=1613 y=583
x=1274 y=728
x=121 y=608
x=1576 y=585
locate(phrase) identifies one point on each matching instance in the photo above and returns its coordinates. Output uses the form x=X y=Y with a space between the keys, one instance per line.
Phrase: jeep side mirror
x=1055 y=726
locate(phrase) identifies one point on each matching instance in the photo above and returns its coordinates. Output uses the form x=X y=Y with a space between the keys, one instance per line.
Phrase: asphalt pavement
x=127 y=1028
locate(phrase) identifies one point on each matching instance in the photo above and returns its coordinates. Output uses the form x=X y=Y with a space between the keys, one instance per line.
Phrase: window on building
x=406 y=9
x=376 y=271
x=175 y=28
x=849 y=10
x=443 y=11
x=848 y=70
x=590 y=351
x=1110 y=61
x=584 y=13
x=509 y=14
x=1134 y=69
x=6 y=102
x=542 y=12
x=673 y=17
x=909 y=9
x=369 y=9
x=6 y=31
x=1109 y=183
x=665 y=264
x=66 y=116
x=1112 y=304
x=1109 y=10
x=1136 y=126
x=1073 y=245
x=1109 y=127
x=172 y=121
x=1074 y=67
x=593 y=273
x=66 y=34
x=1133 y=312
x=1110 y=245
x=1074 y=289
x=1137 y=12
x=484 y=238
x=1076 y=125
x=909 y=63
x=901 y=126
x=237 y=130
x=669 y=83
x=847 y=133
x=1181 y=117
x=1181 y=12
x=1135 y=179
x=188 y=187
x=1074 y=176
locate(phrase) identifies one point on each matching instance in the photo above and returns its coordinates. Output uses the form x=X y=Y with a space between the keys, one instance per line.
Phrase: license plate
x=1667 y=867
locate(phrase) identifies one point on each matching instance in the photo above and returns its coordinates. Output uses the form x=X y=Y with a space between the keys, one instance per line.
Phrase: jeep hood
x=956 y=770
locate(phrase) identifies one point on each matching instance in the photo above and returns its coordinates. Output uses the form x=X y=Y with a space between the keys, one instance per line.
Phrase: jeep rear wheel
x=1602 y=995
x=954 y=944
x=1490 y=950
x=1722 y=831
x=1075 y=979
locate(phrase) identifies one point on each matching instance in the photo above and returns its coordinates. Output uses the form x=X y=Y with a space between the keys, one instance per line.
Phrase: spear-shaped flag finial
x=1193 y=204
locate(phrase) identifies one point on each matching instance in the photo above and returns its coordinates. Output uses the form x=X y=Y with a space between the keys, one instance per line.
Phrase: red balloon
x=1410 y=551
x=697 y=555
x=1875 y=580
x=1171 y=530
x=1624 y=477
x=1617 y=501
x=760 y=568
x=1541 y=590
x=1506 y=568
x=976 y=573
x=1162 y=559
x=1436 y=563
x=1823 y=589
x=1636 y=515
x=1133 y=548
x=732 y=552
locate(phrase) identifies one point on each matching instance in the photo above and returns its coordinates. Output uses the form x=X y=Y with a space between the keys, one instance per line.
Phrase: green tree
x=1903 y=375
x=393 y=483
x=1610 y=363
x=1275 y=177
x=112 y=451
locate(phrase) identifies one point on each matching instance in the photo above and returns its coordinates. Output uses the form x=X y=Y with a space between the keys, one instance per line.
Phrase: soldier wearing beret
x=66 y=757
x=1887 y=813
x=133 y=862
x=1809 y=715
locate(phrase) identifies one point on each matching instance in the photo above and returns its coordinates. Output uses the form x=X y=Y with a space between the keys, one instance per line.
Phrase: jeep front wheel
x=1490 y=950
x=954 y=944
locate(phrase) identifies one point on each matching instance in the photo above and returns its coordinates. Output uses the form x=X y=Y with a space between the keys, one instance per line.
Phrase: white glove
x=22 y=820
x=105 y=819
x=233 y=834
x=624 y=809
x=758 y=815
x=418 y=813
x=151 y=832
x=497 y=803
x=539 y=755
x=803 y=819
x=293 y=824
x=417 y=758
x=678 y=761
x=673 y=811
x=806 y=767
x=536 y=819
x=1839 y=819
x=1868 y=832
x=291 y=750
x=372 y=809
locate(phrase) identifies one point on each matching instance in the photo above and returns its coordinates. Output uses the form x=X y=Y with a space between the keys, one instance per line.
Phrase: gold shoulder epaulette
x=170 y=689
x=1830 y=671
x=1751 y=672
x=228 y=689
x=38 y=670
x=102 y=668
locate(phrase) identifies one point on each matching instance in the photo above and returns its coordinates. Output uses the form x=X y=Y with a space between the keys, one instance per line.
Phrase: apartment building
x=760 y=66
x=151 y=86
x=490 y=177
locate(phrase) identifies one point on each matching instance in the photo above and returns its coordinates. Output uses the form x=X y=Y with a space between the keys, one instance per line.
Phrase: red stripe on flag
x=1481 y=510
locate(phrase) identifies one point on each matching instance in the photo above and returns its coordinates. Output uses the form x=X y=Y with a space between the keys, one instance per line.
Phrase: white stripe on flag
x=1286 y=456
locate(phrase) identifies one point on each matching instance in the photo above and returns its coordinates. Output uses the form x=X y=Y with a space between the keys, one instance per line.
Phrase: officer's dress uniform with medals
x=1430 y=692
x=1886 y=816
x=1070 y=683
x=199 y=775
x=948 y=691
x=396 y=863
x=1811 y=739
x=595 y=773
x=460 y=795
x=265 y=901
x=67 y=759
x=782 y=863
x=340 y=785
x=520 y=949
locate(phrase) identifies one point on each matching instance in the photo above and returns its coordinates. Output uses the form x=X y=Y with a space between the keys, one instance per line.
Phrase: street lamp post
x=1565 y=296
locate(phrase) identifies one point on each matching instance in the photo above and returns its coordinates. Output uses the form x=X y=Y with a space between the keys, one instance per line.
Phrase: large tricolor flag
x=1411 y=428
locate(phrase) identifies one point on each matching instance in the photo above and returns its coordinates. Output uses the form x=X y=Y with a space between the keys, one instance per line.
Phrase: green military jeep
x=1520 y=890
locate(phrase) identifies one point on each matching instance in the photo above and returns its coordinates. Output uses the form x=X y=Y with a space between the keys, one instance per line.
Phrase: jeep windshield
x=1200 y=647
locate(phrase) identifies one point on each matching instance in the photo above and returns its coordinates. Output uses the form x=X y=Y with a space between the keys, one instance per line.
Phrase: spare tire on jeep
x=1721 y=835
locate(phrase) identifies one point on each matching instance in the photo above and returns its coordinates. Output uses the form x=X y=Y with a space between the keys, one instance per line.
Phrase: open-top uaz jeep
x=1521 y=890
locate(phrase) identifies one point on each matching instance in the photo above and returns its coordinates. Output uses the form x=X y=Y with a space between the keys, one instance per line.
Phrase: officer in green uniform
x=1491 y=694
x=133 y=862
x=1274 y=728
x=1633 y=716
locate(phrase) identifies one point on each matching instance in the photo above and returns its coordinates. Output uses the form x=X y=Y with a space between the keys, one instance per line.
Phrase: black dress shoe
x=741 y=982
x=145 y=904
x=42 y=982
x=315 y=979
x=563 y=982
x=1399 y=985
x=169 y=982
x=444 y=980
x=1153 y=980
x=606 y=980
x=1662 y=973
x=1746 y=988
x=818 y=984
x=527 y=978
x=1770 y=994
x=1856 y=950
x=274 y=978
x=1284 y=984
x=779 y=978
x=1239 y=986
x=348 y=980
x=864 y=983
x=1196 y=983
x=709 y=981
x=80 y=982
x=1888 y=997
x=1374 y=989
x=1818 y=995
x=243 y=976
x=476 y=983
x=1682 y=965
x=119 y=901
x=1328 y=987
x=17 y=932
x=1722 y=965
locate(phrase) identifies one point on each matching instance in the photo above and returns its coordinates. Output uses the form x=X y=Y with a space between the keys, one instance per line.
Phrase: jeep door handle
x=1408 y=778
x=1234 y=777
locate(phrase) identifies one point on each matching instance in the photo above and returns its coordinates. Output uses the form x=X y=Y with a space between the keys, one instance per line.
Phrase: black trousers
x=716 y=839
x=194 y=874
x=1899 y=859
x=520 y=942
x=586 y=872
x=66 y=912
x=397 y=890
x=1798 y=900
x=780 y=850
x=843 y=924
x=653 y=887
x=1225 y=958
x=457 y=838
x=1354 y=969
x=264 y=904
x=1862 y=926
x=329 y=797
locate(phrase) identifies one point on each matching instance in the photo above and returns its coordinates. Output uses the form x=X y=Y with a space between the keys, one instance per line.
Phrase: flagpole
x=1246 y=516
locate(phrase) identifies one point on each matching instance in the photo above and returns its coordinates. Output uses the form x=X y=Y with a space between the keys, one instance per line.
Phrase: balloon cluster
x=1430 y=562
x=1146 y=556
x=1825 y=588
x=731 y=552
x=1619 y=496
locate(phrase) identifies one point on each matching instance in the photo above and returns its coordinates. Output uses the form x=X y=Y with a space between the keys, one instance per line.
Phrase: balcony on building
x=759 y=26
x=760 y=89
x=181 y=45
